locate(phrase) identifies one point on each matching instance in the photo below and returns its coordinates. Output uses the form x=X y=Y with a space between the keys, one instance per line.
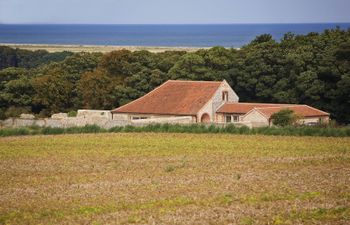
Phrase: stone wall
x=64 y=122
x=256 y=118
x=102 y=118
x=61 y=120
x=88 y=113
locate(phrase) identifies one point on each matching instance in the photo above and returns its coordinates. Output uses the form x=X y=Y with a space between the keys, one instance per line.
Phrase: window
x=224 y=96
x=139 y=117
x=231 y=118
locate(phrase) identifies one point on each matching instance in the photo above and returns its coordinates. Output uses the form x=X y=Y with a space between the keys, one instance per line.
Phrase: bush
x=115 y=129
x=244 y=130
x=92 y=129
x=14 y=132
x=72 y=113
x=52 y=130
x=285 y=117
x=230 y=128
x=16 y=111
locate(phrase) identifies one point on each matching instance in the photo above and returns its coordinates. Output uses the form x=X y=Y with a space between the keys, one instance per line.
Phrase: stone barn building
x=198 y=100
x=206 y=102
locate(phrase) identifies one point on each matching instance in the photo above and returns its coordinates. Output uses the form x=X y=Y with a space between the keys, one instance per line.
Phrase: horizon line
x=128 y=24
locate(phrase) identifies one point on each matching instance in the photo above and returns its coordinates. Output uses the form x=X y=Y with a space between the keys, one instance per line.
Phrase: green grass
x=176 y=128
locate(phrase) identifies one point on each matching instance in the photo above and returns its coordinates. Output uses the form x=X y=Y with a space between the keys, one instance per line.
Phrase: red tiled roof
x=243 y=108
x=174 y=97
x=302 y=110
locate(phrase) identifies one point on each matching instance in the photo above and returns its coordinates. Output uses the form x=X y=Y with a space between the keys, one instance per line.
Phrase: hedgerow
x=177 y=128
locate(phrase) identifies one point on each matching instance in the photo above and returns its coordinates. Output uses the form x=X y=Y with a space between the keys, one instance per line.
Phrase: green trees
x=308 y=69
x=10 y=57
x=15 y=92
x=56 y=84
x=212 y=64
x=96 y=90
x=311 y=69
x=122 y=76
x=52 y=93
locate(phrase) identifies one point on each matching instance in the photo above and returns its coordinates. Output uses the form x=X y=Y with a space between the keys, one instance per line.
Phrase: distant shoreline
x=98 y=48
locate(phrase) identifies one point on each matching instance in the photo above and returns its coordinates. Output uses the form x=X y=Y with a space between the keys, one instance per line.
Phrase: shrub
x=14 y=132
x=16 y=111
x=92 y=129
x=52 y=130
x=128 y=128
x=230 y=128
x=72 y=113
x=244 y=130
x=284 y=117
x=115 y=129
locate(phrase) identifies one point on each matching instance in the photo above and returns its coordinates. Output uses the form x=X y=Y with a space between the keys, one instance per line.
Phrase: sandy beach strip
x=97 y=48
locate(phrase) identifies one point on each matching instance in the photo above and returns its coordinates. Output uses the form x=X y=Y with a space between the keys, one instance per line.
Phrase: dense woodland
x=312 y=69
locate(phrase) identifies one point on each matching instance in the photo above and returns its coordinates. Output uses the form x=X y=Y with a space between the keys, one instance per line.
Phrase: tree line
x=311 y=69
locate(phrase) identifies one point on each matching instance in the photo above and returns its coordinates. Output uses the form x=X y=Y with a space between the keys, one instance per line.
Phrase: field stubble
x=174 y=179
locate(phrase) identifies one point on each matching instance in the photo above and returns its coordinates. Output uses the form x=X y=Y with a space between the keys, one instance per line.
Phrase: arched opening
x=205 y=118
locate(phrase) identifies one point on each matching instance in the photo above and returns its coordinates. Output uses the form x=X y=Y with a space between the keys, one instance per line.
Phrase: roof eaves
x=318 y=110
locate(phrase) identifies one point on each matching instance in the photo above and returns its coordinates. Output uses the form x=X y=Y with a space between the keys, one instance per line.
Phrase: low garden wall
x=96 y=117
x=63 y=122
x=99 y=118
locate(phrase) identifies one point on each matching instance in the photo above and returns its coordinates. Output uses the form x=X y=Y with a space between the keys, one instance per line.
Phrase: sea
x=227 y=35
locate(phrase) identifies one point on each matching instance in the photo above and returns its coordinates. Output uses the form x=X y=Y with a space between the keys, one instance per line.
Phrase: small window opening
x=225 y=96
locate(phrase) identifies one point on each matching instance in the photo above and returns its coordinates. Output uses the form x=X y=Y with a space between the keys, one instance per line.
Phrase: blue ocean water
x=227 y=35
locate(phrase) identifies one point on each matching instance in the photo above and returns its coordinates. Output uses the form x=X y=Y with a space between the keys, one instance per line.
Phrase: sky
x=173 y=11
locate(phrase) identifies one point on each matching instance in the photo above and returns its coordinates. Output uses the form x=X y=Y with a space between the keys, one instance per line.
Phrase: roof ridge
x=141 y=96
x=173 y=89
x=273 y=107
x=196 y=81
x=261 y=109
x=258 y=103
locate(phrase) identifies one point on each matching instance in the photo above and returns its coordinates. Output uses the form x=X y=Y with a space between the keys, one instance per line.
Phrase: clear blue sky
x=173 y=11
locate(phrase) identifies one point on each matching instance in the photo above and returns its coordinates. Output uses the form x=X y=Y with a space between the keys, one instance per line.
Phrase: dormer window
x=225 y=96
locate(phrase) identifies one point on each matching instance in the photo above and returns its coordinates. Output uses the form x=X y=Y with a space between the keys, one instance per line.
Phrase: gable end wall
x=216 y=101
x=256 y=119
